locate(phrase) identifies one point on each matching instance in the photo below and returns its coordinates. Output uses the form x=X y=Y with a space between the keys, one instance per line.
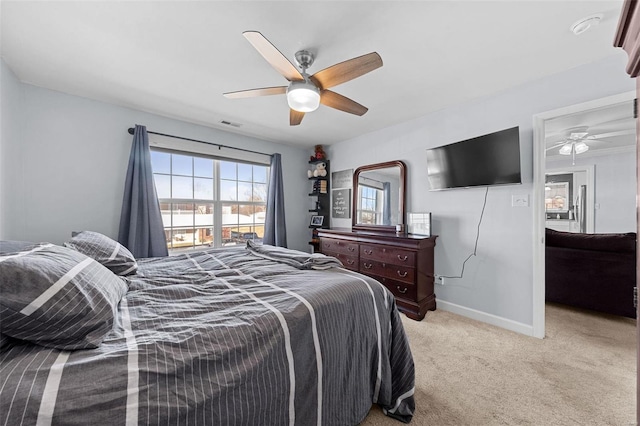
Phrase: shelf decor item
x=341 y=204
x=419 y=224
x=316 y=220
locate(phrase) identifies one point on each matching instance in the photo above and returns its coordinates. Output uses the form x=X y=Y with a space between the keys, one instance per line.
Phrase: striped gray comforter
x=224 y=337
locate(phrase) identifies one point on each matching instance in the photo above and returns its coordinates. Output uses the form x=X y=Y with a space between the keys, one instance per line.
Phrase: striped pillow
x=110 y=253
x=56 y=297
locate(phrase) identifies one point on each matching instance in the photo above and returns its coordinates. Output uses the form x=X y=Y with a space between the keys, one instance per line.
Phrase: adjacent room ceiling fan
x=576 y=138
x=306 y=92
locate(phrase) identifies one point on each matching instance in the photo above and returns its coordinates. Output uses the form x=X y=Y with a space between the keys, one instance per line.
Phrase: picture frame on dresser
x=419 y=224
x=316 y=220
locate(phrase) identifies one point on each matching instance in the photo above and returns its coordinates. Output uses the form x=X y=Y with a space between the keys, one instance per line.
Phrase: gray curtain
x=141 y=228
x=386 y=206
x=275 y=232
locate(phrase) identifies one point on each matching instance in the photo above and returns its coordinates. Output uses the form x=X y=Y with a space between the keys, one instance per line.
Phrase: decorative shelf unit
x=319 y=190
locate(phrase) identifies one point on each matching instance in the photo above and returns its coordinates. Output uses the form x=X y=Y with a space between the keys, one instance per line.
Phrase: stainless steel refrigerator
x=581 y=208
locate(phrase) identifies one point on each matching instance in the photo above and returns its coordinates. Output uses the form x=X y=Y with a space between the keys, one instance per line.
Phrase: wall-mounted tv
x=492 y=159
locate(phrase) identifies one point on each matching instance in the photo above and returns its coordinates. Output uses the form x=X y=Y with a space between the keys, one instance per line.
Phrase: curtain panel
x=141 y=229
x=386 y=207
x=275 y=232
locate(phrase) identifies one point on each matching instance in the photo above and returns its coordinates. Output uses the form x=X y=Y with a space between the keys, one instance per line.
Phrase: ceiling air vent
x=229 y=123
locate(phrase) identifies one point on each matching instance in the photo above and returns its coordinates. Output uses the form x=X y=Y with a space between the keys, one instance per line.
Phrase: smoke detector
x=584 y=24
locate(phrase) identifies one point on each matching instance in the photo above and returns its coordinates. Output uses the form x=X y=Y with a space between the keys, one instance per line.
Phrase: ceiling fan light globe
x=565 y=149
x=581 y=147
x=303 y=96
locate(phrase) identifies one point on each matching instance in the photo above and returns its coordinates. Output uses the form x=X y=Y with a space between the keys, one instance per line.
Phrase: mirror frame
x=401 y=207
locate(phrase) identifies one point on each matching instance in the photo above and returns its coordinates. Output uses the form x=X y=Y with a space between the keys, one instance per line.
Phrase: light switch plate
x=520 y=200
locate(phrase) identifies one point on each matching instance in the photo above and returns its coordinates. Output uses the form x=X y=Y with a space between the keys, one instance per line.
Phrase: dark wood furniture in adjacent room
x=403 y=263
x=591 y=271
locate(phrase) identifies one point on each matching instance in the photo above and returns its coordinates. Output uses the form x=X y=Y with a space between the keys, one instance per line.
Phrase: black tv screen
x=492 y=159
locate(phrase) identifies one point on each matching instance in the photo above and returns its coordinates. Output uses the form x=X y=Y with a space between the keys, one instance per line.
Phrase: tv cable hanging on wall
x=475 y=247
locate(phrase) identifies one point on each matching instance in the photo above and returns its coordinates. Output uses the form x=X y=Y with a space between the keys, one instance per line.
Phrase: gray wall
x=11 y=106
x=498 y=281
x=66 y=170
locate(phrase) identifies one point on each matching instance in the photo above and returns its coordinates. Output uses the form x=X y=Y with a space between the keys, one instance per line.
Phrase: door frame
x=538 y=197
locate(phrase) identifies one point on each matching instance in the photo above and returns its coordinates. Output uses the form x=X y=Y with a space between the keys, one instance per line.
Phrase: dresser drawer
x=396 y=256
x=396 y=272
x=349 y=261
x=399 y=289
x=339 y=246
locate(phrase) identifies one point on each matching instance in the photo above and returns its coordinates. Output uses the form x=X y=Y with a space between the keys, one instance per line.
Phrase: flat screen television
x=492 y=159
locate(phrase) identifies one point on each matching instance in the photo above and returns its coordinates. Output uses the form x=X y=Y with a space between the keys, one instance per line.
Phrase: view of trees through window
x=206 y=202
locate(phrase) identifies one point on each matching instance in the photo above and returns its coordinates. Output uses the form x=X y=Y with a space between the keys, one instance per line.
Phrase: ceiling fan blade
x=558 y=145
x=612 y=134
x=272 y=55
x=337 y=101
x=252 y=93
x=295 y=117
x=347 y=70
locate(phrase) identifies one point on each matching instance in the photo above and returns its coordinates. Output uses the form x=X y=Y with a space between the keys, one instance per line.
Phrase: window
x=556 y=197
x=206 y=202
x=369 y=210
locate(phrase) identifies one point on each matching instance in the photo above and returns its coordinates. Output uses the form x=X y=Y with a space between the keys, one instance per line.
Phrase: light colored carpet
x=471 y=373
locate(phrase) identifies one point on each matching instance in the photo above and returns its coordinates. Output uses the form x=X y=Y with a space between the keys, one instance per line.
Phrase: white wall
x=497 y=283
x=11 y=105
x=68 y=171
x=615 y=188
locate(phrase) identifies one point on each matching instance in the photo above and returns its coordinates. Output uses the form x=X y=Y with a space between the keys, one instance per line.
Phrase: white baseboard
x=508 y=324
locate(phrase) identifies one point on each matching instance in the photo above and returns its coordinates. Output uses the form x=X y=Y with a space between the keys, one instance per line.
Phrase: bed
x=256 y=335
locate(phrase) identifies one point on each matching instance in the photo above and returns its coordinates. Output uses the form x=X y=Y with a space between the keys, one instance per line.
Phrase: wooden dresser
x=403 y=263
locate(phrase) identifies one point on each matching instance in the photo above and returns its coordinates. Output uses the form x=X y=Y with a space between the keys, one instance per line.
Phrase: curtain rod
x=368 y=178
x=131 y=131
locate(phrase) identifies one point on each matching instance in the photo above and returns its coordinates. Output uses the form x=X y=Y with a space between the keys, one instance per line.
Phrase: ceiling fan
x=306 y=92
x=576 y=138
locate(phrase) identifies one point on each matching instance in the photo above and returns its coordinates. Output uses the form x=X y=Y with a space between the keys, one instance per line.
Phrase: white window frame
x=377 y=213
x=177 y=146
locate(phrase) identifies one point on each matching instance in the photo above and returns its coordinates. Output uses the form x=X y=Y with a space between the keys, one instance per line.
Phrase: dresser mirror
x=379 y=196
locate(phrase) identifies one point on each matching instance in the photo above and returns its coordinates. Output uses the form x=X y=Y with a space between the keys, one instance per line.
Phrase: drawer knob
x=402 y=275
x=350 y=262
x=368 y=251
x=367 y=265
x=403 y=291
x=403 y=258
x=351 y=248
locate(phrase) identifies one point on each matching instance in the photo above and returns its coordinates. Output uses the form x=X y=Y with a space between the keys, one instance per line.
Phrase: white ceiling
x=177 y=58
x=610 y=128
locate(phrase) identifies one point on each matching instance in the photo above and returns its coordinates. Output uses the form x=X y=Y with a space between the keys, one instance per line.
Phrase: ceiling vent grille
x=229 y=123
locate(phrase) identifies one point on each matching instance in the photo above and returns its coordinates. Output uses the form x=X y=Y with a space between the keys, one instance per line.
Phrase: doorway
x=569 y=126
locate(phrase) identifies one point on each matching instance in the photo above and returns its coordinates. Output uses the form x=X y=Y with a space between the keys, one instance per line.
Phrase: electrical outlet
x=439 y=279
